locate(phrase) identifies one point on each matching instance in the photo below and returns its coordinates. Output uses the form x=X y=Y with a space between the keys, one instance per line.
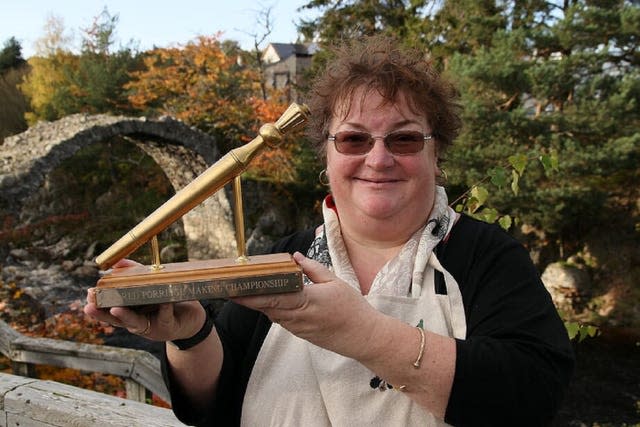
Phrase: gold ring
x=148 y=328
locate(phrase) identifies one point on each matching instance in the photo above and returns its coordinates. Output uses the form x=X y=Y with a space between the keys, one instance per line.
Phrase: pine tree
x=11 y=55
x=539 y=80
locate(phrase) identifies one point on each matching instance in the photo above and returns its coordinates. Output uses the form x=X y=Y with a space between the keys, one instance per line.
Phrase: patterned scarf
x=400 y=276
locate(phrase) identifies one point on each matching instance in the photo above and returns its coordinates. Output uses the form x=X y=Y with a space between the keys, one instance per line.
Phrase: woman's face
x=379 y=185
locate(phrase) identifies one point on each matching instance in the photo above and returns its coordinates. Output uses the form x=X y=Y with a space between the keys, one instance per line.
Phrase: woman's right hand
x=162 y=322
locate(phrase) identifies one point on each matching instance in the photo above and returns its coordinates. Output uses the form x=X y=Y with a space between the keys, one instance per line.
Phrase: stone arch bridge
x=181 y=151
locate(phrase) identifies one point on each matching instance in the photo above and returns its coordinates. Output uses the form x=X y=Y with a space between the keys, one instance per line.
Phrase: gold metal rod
x=211 y=180
x=155 y=254
x=238 y=215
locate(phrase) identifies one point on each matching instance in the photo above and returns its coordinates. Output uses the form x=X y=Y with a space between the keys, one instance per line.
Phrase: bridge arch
x=182 y=152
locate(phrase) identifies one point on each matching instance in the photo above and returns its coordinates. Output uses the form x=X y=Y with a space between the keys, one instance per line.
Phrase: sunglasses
x=400 y=143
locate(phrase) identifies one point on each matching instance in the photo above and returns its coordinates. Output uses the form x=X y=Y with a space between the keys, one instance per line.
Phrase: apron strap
x=454 y=296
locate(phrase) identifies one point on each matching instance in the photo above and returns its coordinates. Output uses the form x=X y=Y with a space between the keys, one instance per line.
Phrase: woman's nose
x=379 y=156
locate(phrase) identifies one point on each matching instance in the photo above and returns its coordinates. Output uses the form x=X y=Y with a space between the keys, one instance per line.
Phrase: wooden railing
x=28 y=401
x=139 y=369
x=32 y=402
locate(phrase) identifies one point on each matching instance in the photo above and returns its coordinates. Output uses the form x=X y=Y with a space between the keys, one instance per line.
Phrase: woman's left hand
x=330 y=313
x=161 y=322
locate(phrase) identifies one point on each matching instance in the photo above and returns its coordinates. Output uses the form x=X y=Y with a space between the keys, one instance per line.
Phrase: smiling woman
x=411 y=314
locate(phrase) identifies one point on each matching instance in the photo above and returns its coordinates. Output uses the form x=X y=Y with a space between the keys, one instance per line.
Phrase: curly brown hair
x=382 y=64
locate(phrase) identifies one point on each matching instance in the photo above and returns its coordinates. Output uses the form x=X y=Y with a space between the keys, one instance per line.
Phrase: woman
x=411 y=313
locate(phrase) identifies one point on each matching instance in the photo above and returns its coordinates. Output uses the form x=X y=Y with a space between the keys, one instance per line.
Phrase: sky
x=150 y=23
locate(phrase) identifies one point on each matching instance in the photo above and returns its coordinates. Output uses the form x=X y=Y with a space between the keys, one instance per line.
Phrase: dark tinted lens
x=404 y=142
x=353 y=142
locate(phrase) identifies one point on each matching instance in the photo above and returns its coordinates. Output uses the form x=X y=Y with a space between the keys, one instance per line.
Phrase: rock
x=68 y=265
x=50 y=285
x=87 y=271
x=568 y=285
x=170 y=253
x=91 y=251
x=19 y=254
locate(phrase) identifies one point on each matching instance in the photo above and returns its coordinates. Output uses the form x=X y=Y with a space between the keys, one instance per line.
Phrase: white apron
x=295 y=383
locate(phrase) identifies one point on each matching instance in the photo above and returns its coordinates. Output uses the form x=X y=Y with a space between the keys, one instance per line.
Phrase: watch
x=201 y=335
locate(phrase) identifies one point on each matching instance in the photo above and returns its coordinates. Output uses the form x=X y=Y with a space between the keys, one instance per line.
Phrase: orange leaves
x=204 y=84
x=267 y=111
x=109 y=384
x=18 y=309
x=277 y=164
x=74 y=325
x=198 y=83
x=157 y=401
x=71 y=325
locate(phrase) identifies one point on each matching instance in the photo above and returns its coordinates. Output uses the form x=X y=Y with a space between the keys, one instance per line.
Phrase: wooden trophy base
x=196 y=280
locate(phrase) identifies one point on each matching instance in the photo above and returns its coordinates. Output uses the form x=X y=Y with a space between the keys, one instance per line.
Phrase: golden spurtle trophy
x=222 y=278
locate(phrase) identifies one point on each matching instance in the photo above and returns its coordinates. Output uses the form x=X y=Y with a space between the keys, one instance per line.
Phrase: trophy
x=193 y=280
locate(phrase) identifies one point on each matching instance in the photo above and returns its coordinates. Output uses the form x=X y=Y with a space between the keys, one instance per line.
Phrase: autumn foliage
x=197 y=83
x=205 y=84
x=25 y=316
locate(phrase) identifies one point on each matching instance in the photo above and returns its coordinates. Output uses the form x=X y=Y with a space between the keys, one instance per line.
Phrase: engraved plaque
x=195 y=280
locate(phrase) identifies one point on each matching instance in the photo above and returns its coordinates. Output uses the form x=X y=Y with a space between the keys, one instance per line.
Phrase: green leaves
x=11 y=55
x=475 y=199
x=578 y=331
x=498 y=176
x=518 y=162
x=549 y=162
x=505 y=222
x=479 y=195
x=515 y=179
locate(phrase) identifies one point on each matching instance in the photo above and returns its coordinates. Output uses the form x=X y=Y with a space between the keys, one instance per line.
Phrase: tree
x=198 y=83
x=538 y=80
x=14 y=105
x=46 y=86
x=11 y=55
x=96 y=81
x=55 y=38
x=205 y=84
x=346 y=19
x=46 y=73
x=100 y=36
x=63 y=83
x=564 y=81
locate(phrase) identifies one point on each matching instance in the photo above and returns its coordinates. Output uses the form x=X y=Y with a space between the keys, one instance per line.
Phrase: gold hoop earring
x=442 y=178
x=323 y=178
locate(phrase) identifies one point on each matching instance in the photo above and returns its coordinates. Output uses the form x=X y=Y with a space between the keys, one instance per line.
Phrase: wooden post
x=135 y=391
x=24 y=369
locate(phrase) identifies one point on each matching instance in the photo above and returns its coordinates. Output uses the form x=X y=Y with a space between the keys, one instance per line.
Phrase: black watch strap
x=201 y=335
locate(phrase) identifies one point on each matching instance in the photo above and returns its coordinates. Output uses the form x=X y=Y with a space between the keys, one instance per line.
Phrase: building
x=284 y=65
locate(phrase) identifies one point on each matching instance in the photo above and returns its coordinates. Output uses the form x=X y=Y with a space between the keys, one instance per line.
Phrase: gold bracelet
x=416 y=364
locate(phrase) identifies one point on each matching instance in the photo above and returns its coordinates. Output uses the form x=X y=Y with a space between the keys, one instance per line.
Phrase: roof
x=281 y=51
